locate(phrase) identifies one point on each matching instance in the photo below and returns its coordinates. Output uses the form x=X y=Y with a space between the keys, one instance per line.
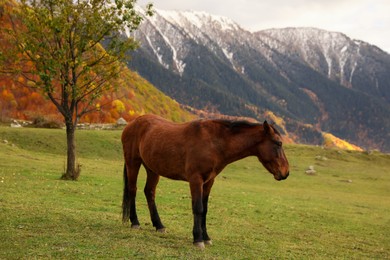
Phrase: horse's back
x=139 y=125
x=149 y=130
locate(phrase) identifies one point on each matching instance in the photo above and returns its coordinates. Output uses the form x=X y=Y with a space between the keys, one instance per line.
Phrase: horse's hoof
x=199 y=245
x=161 y=230
x=135 y=226
x=208 y=242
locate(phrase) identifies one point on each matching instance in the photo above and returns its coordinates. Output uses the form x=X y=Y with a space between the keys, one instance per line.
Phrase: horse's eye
x=278 y=143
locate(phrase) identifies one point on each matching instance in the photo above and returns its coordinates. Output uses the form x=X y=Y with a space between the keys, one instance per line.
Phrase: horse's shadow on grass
x=148 y=232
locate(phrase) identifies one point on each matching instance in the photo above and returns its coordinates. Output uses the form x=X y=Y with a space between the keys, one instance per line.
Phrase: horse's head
x=271 y=153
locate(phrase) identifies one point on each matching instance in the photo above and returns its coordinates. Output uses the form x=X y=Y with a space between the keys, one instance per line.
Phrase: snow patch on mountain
x=156 y=52
x=229 y=55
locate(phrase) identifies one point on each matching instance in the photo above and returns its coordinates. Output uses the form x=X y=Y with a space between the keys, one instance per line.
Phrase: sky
x=366 y=20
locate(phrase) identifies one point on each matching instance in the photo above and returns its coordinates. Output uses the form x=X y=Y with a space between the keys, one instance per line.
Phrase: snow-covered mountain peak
x=303 y=36
x=198 y=19
x=332 y=53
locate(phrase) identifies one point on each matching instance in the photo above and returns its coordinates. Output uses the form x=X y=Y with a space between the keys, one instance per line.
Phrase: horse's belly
x=168 y=169
x=165 y=161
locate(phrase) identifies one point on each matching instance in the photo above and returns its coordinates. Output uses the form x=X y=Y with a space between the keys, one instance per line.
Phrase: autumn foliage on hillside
x=134 y=96
x=331 y=141
x=131 y=95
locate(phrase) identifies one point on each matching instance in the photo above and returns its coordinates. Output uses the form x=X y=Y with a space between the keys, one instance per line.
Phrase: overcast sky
x=366 y=20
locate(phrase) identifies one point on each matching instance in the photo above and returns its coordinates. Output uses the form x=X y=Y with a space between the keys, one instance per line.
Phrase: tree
x=61 y=42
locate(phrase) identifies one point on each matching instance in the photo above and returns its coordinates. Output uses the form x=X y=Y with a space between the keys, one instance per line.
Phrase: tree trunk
x=72 y=172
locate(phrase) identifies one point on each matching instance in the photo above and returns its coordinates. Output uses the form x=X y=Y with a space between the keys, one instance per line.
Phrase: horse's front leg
x=206 y=192
x=196 y=187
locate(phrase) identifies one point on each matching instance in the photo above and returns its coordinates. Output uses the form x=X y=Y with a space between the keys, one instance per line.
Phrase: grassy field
x=341 y=212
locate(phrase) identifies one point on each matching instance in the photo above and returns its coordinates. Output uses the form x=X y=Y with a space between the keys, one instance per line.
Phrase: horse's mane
x=236 y=126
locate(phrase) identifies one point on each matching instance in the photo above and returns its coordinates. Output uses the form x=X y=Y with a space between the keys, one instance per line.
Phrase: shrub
x=45 y=122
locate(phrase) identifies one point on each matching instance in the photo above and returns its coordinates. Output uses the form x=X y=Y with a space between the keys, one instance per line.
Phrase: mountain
x=315 y=81
x=352 y=63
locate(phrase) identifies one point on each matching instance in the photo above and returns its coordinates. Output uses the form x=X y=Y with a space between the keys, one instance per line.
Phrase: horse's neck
x=241 y=145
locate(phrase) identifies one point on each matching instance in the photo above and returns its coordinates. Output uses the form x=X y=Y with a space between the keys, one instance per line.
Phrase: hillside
x=316 y=81
x=133 y=96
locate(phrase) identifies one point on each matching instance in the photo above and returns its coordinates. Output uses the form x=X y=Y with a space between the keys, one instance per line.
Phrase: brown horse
x=195 y=152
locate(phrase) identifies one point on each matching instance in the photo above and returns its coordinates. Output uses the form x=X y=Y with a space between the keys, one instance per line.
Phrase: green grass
x=342 y=212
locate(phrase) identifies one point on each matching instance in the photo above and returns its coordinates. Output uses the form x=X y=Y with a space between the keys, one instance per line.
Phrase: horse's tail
x=126 y=197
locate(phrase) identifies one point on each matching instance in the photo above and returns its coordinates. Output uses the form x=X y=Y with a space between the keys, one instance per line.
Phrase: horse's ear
x=267 y=128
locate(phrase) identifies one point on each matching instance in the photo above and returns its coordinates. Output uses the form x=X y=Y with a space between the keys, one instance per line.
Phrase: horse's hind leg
x=150 y=193
x=130 y=192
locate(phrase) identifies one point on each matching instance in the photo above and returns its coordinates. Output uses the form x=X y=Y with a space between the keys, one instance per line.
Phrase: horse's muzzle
x=279 y=176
